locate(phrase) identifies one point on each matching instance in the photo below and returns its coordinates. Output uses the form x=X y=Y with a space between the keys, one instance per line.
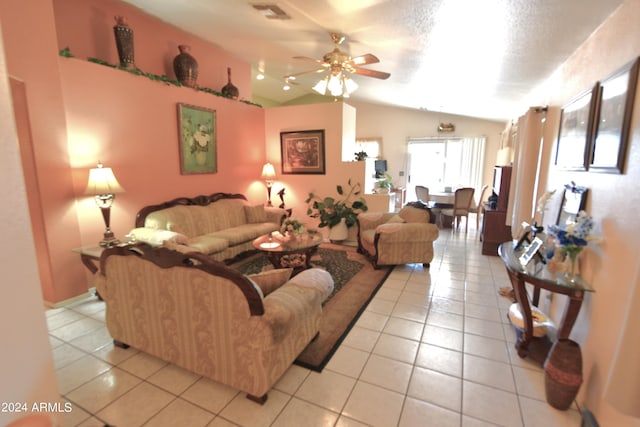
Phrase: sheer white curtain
x=440 y=162
x=472 y=167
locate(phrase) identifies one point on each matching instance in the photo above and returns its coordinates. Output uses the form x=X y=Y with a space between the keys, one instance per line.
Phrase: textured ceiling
x=478 y=58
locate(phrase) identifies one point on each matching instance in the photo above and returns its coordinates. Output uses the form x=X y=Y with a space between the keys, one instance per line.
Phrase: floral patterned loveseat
x=201 y=315
x=220 y=225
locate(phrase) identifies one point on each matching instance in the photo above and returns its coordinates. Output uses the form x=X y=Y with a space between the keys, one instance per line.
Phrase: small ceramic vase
x=186 y=67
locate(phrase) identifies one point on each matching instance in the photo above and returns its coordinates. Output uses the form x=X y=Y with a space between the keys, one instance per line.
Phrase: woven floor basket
x=563 y=373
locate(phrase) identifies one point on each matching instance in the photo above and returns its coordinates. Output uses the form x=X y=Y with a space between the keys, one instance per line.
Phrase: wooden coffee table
x=285 y=253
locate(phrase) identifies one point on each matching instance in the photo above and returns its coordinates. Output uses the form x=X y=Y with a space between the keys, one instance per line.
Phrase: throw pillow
x=256 y=287
x=270 y=280
x=395 y=218
x=255 y=214
x=155 y=237
x=171 y=226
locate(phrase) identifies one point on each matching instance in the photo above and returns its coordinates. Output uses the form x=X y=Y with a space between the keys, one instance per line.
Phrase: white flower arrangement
x=543 y=200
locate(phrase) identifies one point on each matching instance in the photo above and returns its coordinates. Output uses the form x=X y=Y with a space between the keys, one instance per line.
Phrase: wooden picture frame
x=197 y=139
x=302 y=152
x=576 y=131
x=615 y=108
x=574 y=200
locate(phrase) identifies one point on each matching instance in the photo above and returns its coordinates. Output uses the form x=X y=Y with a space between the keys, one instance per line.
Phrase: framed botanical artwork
x=616 y=100
x=197 y=127
x=302 y=152
x=576 y=131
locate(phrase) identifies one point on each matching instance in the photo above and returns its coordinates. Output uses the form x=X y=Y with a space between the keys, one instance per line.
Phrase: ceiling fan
x=338 y=61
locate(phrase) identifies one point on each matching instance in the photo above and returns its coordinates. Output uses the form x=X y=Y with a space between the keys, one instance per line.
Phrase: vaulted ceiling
x=478 y=58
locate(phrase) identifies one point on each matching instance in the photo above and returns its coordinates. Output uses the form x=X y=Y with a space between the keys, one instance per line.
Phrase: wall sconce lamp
x=446 y=127
x=268 y=174
x=104 y=186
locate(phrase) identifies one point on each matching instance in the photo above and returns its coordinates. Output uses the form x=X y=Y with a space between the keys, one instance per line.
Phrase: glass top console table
x=538 y=275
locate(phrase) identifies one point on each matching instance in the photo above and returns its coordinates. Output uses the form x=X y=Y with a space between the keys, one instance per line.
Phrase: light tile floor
x=433 y=348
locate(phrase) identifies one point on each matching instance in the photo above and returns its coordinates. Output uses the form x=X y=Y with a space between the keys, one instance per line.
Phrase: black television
x=380 y=168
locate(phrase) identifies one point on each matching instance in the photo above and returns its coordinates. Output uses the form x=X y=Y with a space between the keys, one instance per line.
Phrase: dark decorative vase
x=124 y=42
x=229 y=90
x=563 y=373
x=186 y=67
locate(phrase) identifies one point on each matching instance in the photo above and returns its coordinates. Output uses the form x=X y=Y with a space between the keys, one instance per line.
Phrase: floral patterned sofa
x=390 y=238
x=220 y=225
x=187 y=309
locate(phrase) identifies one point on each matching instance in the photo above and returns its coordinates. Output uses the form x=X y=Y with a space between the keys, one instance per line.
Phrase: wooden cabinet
x=494 y=228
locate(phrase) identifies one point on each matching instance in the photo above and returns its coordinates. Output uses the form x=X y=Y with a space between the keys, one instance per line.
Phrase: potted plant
x=334 y=212
x=361 y=156
x=384 y=184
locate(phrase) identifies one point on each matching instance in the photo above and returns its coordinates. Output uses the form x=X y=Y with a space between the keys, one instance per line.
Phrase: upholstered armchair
x=389 y=238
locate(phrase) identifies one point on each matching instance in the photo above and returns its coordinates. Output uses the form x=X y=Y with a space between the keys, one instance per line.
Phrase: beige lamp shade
x=503 y=157
x=268 y=171
x=102 y=181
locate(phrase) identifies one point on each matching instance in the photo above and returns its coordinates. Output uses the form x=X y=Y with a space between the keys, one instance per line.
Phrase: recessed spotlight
x=259 y=76
x=286 y=87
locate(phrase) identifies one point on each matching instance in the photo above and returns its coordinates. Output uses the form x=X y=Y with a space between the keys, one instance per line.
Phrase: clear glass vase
x=571 y=253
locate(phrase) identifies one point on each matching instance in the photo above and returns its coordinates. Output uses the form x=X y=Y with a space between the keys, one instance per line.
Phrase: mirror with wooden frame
x=573 y=201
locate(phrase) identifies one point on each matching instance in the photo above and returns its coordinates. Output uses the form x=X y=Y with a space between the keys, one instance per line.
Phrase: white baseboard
x=91 y=292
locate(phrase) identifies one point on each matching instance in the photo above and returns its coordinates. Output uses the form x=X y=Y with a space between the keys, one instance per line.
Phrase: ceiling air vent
x=271 y=11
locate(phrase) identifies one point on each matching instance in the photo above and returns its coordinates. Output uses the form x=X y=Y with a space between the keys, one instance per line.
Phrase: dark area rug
x=355 y=284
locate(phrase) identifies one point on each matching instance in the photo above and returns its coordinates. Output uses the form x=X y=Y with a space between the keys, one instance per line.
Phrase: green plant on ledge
x=330 y=211
x=386 y=182
x=361 y=156
x=66 y=52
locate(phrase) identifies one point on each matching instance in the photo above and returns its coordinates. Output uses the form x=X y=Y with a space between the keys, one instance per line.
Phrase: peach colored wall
x=132 y=126
x=86 y=27
x=32 y=58
x=337 y=119
x=23 y=127
x=613 y=201
x=26 y=363
x=81 y=113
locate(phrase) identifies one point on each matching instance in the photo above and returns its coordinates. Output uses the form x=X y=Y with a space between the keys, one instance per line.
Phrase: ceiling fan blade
x=371 y=73
x=319 y=70
x=364 y=59
x=306 y=58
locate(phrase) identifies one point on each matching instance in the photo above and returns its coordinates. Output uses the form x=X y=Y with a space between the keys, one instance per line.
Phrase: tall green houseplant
x=330 y=210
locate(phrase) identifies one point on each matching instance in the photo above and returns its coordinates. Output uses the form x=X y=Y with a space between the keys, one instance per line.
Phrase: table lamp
x=104 y=186
x=268 y=174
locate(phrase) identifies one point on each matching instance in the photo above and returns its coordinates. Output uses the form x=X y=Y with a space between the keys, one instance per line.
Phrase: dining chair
x=461 y=207
x=422 y=193
x=478 y=209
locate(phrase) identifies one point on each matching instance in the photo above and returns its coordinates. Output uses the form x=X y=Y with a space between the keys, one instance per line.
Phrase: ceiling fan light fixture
x=321 y=86
x=350 y=86
x=335 y=85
